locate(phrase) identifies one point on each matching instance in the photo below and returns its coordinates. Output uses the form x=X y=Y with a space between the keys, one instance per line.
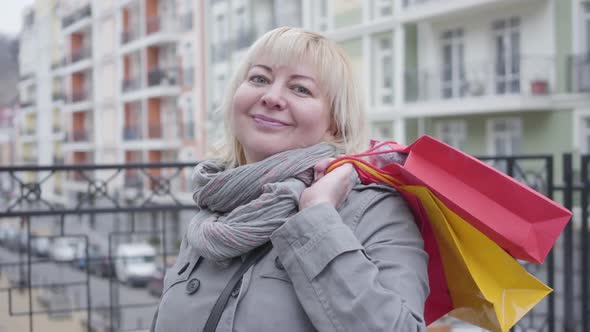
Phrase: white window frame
x=510 y=81
x=514 y=130
x=381 y=91
x=452 y=132
x=456 y=86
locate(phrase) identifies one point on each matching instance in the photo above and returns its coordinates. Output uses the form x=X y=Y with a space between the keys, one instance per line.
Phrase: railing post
x=567 y=273
x=584 y=255
x=551 y=257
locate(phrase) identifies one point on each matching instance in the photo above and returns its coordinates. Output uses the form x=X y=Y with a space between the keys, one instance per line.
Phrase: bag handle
x=221 y=302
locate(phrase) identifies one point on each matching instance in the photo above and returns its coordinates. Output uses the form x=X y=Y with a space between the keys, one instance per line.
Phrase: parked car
x=8 y=236
x=64 y=249
x=97 y=262
x=40 y=246
x=135 y=263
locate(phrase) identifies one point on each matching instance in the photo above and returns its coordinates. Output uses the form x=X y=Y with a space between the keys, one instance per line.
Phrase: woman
x=344 y=256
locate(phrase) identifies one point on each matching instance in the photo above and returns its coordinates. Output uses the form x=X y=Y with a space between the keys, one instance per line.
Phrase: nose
x=273 y=98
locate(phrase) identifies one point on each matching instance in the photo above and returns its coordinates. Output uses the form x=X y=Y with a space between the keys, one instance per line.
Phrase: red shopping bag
x=520 y=220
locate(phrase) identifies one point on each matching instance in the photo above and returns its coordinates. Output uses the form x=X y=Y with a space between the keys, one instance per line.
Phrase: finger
x=319 y=169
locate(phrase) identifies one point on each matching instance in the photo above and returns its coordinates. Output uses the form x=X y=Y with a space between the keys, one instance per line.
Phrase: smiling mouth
x=265 y=121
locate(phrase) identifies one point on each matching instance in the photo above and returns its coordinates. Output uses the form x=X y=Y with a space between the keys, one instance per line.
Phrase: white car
x=63 y=249
x=135 y=263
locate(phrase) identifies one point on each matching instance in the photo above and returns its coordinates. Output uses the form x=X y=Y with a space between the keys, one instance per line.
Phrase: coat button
x=278 y=264
x=192 y=286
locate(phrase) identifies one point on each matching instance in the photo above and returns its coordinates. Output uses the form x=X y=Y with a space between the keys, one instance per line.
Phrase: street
x=137 y=305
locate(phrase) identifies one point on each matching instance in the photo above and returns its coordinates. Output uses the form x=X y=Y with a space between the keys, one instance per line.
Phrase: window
x=505 y=136
x=383 y=50
x=382 y=8
x=382 y=131
x=507 y=55
x=586 y=25
x=321 y=16
x=454 y=133
x=453 y=64
x=188 y=121
x=288 y=12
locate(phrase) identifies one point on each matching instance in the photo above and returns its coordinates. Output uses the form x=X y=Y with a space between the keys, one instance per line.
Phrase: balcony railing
x=79 y=135
x=26 y=104
x=129 y=35
x=157 y=24
x=79 y=96
x=56 y=95
x=579 y=73
x=78 y=15
x=160 y=76
x=58 y=160
x=131 y=84
x=80 y=54
x=531 y=76
x=131 y=133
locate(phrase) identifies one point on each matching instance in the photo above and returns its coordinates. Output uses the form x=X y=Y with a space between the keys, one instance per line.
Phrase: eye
x=303 y=90
x=258 y=79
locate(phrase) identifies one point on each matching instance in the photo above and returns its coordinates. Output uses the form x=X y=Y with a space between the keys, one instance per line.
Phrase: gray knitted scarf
x=240 y=208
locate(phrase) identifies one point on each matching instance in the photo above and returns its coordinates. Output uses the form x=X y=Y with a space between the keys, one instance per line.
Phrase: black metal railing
x=578 y=73
x=76 y=16
x=44 y=252
x=131 y=84
x=131 y=203
x=163 y=76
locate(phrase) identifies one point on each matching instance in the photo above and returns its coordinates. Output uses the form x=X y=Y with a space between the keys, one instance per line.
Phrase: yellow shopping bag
x=488 y=287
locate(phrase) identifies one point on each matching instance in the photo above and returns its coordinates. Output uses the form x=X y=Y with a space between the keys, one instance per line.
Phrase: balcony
x=129 y=35
x=79 y=136
x=157 y=31
x=80 y=54
x=57 y=96
x=131 y=84
x=79 y=96
x=527 y=76
x=160 y=76
x=132 y=133
x=76 y=16
x=578 y=71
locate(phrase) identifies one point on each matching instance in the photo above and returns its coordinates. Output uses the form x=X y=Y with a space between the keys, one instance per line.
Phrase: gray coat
x=359 y=268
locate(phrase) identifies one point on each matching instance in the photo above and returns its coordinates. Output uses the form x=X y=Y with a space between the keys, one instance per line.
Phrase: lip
x=266 y=121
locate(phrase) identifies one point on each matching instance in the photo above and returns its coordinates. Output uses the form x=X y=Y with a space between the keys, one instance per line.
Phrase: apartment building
x=493 y=77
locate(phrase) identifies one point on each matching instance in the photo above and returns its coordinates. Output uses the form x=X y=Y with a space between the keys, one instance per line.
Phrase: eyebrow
x=267 y=68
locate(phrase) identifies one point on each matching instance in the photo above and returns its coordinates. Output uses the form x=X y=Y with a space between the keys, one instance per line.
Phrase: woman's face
x=279 y=108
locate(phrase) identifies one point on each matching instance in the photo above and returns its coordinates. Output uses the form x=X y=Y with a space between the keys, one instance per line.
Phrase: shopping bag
x=523 y=222
x=466 y=302
x=487 y=286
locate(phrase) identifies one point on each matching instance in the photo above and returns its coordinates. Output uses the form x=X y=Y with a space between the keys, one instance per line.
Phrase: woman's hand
x=331 y=188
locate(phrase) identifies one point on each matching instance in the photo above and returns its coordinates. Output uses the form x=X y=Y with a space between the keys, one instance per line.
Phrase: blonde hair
x=287 y=46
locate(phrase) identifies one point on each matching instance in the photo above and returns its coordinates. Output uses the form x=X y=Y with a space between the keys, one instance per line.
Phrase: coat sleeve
x=368 y=277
